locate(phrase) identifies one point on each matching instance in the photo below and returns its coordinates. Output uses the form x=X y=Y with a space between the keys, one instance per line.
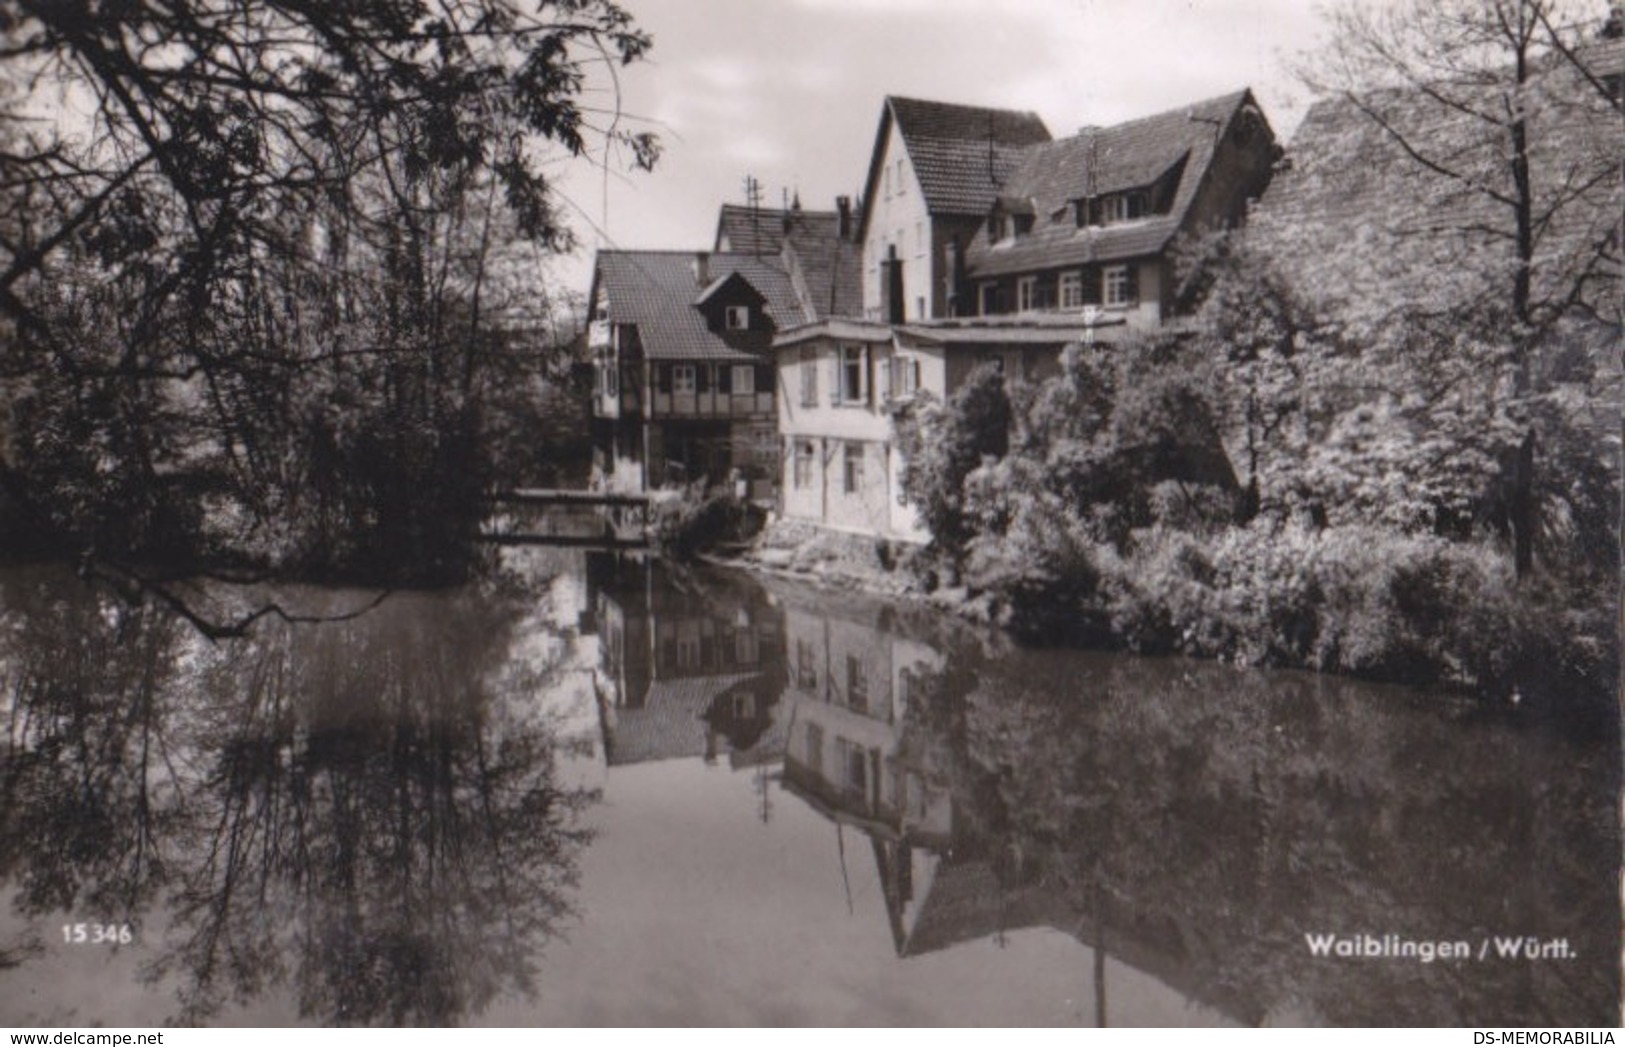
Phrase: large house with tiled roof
x=1087 y=222
x=681 y=345
x=1028 y=245
x=935 y=170
x=683 y=382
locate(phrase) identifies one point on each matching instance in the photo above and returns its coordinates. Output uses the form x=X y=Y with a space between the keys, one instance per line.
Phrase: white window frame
x=802 y=455
x=1114 y=208
x=682 y=375
x=1027 y=294
x=1114 y=281
x=742 y=382
x=852 y=467
x=848 y=357
x=905 y=376
x=1070 y=290
x=809 y=378
x=738 y=317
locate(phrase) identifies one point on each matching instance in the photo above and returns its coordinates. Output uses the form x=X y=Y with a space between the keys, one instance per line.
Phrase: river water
x=594 y=792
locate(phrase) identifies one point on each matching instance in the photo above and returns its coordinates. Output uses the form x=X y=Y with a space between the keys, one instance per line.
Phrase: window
x=744 y=380
x=987 y=299
x=1120 y=285
x=1027 y=294
x=900 y=182
x=853 y=375
x=807 y=669
x=682 y=379
x=1072 y=290
x=919 y=239
x=857 y=684
x=815 y=747
x=809 y=377
x=1122 y=207
x=852 y=468
x=802 y=463
x=739 y=318
x=919 y=307
x=854 y=767
x=905 y=376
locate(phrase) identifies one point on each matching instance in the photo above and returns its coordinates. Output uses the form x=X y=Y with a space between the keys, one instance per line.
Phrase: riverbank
x=1350 y=601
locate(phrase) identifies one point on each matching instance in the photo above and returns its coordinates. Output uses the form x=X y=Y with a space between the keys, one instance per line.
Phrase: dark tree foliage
x=246 y=264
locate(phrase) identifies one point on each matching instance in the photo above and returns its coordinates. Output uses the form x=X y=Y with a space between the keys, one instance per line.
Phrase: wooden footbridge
x=519 y=516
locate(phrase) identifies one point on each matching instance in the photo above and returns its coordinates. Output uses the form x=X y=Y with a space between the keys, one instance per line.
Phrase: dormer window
x=1122 y=207
x=1113 y=207
x=1002 y=226
x=738 y=318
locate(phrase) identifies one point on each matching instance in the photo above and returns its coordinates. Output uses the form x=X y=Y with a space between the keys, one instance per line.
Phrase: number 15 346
x=97 y=933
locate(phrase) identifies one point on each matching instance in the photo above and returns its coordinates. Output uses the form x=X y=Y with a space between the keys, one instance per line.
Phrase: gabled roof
x=761 y=231
x=961 y=154
x=656 y=291
x=671 y=722
x=730 y=285
x=1179 y=144
x=824 y=269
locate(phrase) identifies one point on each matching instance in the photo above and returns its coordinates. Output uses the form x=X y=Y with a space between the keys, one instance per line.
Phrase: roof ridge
x=689 y=252
x=963 y=105
x=1230 y=97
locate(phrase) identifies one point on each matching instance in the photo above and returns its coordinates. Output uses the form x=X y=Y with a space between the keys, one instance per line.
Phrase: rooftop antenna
x=753 y=200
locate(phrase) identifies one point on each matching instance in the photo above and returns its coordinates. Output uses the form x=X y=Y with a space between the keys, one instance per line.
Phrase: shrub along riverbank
x=1098 y=508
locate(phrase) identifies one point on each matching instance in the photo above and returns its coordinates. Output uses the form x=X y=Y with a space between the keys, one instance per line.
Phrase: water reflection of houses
x=849 y=684
x=685 y=673
x=856 y=753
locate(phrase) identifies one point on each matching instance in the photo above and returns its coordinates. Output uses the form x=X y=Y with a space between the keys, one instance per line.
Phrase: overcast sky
x=790 y=90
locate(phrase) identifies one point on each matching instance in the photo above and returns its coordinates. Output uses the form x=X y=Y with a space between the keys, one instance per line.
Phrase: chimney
x=702 y=268
x=843 y=212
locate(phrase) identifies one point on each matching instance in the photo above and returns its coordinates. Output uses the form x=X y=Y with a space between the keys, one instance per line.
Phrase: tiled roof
x=1361 y=221
x=656 y=291
x=961 y=153
x=1103 y=160
x=670 y=724
x=761 y=230
x=825 y=269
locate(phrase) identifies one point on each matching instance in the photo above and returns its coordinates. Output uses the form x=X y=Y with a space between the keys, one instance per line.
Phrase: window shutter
x=725 y=378
x=663 y=377
x=835 y=378
x=764 y=378
x=1133 y=282
x=702 y=378
x=1091 y=285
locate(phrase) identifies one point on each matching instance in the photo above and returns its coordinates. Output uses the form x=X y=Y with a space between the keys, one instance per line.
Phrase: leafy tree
x=1494 y=137
x=943 y=443
x=259 y=268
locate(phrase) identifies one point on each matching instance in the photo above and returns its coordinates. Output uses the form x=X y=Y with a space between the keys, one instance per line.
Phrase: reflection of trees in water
x=1213 y=818
x=88 y=781
x=355 y=814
